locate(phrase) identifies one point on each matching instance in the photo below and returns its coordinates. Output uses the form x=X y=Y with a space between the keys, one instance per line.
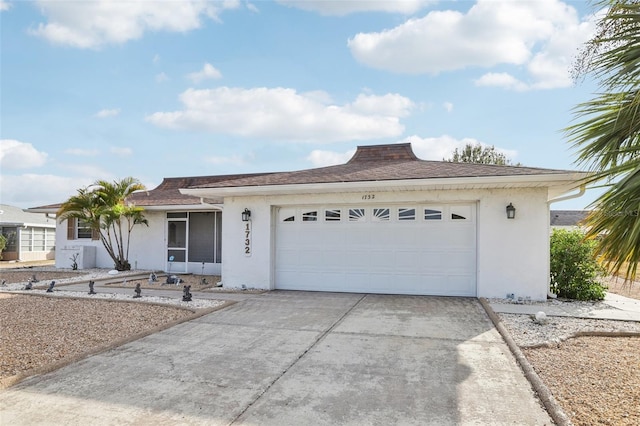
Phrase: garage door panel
x=337 y=258
x=358 y=235
x=460 y=285
x=378 y=254
x=404 y=259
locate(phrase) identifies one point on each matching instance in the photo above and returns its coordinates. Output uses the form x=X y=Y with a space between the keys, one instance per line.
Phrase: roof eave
x=570 y=180
x=183 y=207
x=46 y=210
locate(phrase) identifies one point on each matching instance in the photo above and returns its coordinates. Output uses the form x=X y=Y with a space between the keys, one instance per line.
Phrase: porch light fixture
x=511 y=211
x=246 y=215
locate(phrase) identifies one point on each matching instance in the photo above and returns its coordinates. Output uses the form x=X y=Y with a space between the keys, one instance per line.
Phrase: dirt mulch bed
x=13 y=276
x=622 y=288
x=195 y=281
x=40 y=332
x=596 y=380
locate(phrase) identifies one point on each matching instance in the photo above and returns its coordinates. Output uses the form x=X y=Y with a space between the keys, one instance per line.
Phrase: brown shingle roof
x=168 y=192
x=381 y=163
x=369 y=163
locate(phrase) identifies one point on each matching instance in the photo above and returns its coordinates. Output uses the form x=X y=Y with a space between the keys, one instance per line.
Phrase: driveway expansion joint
x=318 y=339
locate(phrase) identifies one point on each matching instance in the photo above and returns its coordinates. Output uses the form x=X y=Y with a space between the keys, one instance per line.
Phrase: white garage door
x=394 y=249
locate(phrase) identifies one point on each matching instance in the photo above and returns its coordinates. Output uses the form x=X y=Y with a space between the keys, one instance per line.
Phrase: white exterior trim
x=566 y=182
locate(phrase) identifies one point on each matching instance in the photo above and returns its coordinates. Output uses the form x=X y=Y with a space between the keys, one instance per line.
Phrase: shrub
x=3 y=244
x=574 y=269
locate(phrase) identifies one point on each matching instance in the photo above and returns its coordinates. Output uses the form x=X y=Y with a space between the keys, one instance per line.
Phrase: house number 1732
x=247 y=238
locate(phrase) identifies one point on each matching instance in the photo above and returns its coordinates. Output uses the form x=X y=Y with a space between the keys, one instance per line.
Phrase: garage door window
x=380 y=215
x=310 y=216
x=460 y=213
x=406 y=214
x=356 y=215
x=433 y=214
x=332 y=215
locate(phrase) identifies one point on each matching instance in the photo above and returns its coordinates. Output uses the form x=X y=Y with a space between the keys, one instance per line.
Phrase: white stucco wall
x=147 y=247
x=512 y=255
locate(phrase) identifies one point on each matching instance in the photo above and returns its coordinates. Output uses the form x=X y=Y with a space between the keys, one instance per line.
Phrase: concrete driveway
x=296 y=358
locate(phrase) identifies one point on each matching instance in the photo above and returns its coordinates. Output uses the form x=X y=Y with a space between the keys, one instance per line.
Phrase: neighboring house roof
x=15 y=216
x=568 y=217
x=392 y=166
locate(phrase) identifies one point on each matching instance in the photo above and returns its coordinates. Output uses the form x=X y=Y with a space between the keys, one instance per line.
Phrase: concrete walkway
x=296 y=358
x=613 y=307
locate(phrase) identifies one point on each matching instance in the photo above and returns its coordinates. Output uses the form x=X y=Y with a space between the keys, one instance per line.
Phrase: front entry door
x=176 y=259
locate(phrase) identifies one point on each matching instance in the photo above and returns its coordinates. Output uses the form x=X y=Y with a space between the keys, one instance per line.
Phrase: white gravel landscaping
x=177 y=302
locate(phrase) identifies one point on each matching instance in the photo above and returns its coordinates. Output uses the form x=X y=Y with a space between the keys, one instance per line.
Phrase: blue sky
x=101 y=89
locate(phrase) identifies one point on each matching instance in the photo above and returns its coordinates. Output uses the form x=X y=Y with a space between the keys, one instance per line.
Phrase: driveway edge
x=550 y=404
x=10 y=381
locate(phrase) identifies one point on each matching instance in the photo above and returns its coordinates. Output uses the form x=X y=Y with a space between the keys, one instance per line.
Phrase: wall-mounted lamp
x=246 y=215
x=511 y=211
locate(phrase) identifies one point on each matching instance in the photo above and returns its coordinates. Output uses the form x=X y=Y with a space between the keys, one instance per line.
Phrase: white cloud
x=81 y=152
x=33 y=190
x=542 y=35
x=284 y=114
x=342 y=8
x=156 y=58
x=390 y=104
x=503 y=79
x=208 y=72
x=448 y=106
x=121 y=151
x=105 y=113
x=320 y=158
x=4 y=5
x=162 y=77
x=20 y=155
x=91 y=24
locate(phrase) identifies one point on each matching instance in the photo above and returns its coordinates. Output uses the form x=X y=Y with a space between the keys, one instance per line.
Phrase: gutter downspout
x=580 y=193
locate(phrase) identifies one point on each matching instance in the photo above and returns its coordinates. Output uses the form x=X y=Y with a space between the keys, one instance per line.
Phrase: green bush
x=3 y=244
x=574 y=268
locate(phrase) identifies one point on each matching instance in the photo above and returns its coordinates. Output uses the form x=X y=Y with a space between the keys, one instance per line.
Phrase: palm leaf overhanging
x=608 y=135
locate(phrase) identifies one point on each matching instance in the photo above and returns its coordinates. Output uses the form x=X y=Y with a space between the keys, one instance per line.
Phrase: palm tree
x=608 y=135
x=104 y=208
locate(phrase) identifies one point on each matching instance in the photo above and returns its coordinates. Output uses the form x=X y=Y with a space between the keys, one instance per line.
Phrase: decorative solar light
x=511 y=211
x=246 y=215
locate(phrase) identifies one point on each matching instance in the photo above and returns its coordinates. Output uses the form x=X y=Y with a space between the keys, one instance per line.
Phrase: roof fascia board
x=42 y=210
x=27 y=225
x=547 y=180
x=182 y=207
